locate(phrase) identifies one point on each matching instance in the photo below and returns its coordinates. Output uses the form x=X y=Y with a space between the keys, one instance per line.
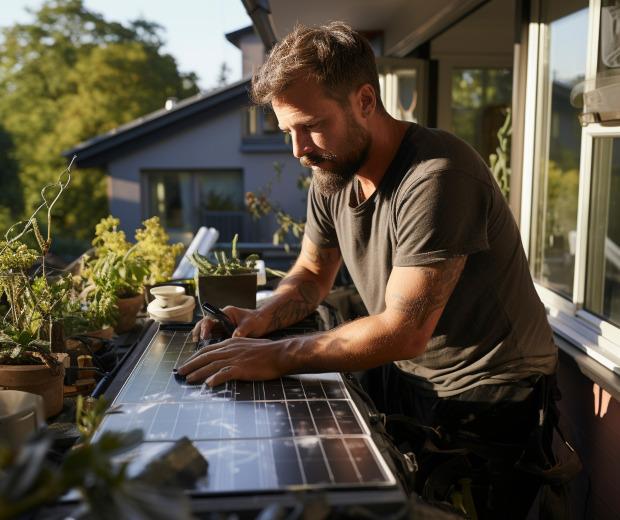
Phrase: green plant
x=223 y=265
x=115 y=271
x=152 y=245
x=89 y=412
x=34 y=300
x=28 y=481
x=260 y=206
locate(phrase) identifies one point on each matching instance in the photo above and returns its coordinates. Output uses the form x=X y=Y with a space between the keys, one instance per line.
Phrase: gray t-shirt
x=438 y=200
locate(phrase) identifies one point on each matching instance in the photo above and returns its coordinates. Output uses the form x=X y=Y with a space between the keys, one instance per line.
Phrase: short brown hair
x=334 y=55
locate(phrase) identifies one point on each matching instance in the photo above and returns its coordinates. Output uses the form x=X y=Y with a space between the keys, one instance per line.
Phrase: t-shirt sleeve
x=442 y=215
x=319 y=221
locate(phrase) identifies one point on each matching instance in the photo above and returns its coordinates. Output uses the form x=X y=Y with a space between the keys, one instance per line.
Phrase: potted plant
x=226 y=280
x=114 y=277
x=32 y=302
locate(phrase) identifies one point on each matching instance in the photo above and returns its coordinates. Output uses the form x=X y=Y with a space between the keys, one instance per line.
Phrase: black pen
x=219 y=315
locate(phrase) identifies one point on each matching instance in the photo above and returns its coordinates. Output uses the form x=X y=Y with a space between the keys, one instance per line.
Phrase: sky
x=194 y=29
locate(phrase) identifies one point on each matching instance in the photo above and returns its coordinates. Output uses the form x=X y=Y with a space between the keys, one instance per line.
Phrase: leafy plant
x=223 y=265
x=28 y=481
x=260 y=206
x=152 y=245
x=115 y=271
x=89 y=412
x=34 y=301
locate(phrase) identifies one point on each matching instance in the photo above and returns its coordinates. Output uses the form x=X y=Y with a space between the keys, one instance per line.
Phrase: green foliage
x=562 y=193
x=34 y=300
x=29 y=481
x=119 y=269
x=89 y=412
x=68 y=76
x=260 y=206
x=222 y=265
x=152 y=245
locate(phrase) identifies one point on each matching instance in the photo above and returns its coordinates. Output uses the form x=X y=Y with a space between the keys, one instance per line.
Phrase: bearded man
x=432 y=247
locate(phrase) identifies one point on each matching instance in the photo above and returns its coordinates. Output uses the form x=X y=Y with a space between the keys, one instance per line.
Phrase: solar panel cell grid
x=259 y=436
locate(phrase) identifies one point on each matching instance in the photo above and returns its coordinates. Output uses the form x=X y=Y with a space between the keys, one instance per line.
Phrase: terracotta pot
x=238 y=290
x=37 y=379
x=128 y=309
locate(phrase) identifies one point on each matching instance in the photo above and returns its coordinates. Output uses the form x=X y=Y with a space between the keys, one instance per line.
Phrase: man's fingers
x=196 y=331
x=205 y=372
x=202 y=329
x=204 y=356
x=226 y=373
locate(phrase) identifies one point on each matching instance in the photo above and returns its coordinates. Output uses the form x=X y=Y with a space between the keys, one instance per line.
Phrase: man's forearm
x=297 y=295
x=358 y=345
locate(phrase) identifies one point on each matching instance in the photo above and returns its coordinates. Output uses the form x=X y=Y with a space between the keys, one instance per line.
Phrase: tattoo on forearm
x=303 y=300
x=439 y=281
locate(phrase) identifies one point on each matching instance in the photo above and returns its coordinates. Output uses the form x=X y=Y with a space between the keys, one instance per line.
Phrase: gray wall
x=214 y=144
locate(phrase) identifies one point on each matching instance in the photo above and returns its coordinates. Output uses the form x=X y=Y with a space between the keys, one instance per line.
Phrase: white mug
x=21 y=413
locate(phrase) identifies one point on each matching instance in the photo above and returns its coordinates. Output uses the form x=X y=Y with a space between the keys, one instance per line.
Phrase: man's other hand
x=248 y=323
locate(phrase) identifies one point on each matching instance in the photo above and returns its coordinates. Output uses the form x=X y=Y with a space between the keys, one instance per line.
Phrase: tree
x=69 y=76
x=222 y=78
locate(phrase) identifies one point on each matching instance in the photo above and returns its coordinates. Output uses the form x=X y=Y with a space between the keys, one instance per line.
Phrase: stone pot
x=128 y=309
x=37 y=379
x=238 y=290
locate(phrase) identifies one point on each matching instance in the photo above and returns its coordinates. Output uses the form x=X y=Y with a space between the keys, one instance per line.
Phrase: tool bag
x=445 y=475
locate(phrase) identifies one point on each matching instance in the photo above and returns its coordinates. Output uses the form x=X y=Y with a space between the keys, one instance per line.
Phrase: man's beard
x=329 y=182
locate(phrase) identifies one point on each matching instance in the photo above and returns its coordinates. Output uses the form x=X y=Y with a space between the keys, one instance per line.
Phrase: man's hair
x=338 y=58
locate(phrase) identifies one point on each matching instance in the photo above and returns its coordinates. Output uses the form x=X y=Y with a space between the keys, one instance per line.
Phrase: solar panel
x=295 y=432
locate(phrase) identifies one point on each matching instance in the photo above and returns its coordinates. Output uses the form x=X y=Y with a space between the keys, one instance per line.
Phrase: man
x=429 y=242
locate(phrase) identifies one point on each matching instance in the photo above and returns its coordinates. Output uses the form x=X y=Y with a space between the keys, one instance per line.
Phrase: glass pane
x=407 y=95
x=555 y=213
x=609 y=45
x=480 y=99
x=221 y=191
x=603 y=271
x=170 y=198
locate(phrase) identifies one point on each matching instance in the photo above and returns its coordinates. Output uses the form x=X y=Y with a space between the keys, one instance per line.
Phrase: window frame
x=592 y=334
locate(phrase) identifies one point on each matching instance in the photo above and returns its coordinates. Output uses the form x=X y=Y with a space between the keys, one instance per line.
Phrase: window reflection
x=558 y=182
x=603 y=267
x=480 y=99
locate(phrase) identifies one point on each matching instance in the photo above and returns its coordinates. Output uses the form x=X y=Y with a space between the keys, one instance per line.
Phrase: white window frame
x=388 y=68
x=592 y=334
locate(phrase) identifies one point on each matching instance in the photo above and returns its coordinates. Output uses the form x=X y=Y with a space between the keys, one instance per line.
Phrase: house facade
x=192 y=162
x=457 y=65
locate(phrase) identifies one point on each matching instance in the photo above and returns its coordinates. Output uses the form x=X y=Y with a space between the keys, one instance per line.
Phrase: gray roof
x=234 y=37
x=100 y=149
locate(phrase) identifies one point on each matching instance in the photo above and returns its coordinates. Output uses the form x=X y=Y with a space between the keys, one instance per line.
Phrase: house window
x=480 y=99
x=186 y=200
x=603 y=265
x=554 y=225
x=261 y=132
x=261 y=121
x=574 y=203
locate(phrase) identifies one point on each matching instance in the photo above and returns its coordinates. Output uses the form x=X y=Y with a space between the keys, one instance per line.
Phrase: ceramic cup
x=21 y=413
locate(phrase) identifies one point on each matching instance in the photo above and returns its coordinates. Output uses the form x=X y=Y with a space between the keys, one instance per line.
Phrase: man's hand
x=248 y=322
x=246 y=359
